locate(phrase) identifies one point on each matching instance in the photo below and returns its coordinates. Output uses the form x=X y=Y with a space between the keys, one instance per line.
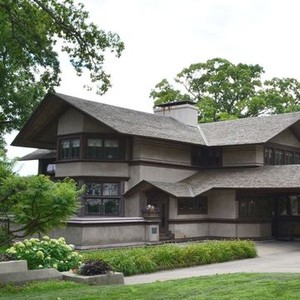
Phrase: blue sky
x=163 y=36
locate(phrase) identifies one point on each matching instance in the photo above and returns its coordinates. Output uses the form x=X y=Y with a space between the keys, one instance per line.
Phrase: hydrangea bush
x=46 y=253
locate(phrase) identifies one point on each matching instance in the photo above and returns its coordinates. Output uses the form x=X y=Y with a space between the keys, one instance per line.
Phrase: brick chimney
x=183 y=111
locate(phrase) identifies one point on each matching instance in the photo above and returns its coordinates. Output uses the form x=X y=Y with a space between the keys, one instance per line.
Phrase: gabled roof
x=176 y=189
x=40 y=130
x=122 y=120
x=266 y=177
x=255 y=130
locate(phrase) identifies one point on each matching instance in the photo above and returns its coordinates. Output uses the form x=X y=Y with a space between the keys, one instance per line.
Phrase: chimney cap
x=175 y=103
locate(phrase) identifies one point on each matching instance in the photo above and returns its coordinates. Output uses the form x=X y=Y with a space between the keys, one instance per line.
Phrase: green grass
x=148 y=259
x=229 y=286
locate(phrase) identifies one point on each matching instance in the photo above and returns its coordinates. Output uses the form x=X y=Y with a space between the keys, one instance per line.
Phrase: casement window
x=278 y=156
x=103 y=198
x=102 y=148
x=206 y=156
x=91 y=148
x=255 y=207
x=70 y=148
x=197 y=205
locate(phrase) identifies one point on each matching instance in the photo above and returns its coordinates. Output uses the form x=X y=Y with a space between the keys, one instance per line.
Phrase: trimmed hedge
x=148 y=259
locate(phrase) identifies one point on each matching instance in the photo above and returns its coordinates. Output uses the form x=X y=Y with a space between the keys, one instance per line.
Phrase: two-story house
x=231 y=179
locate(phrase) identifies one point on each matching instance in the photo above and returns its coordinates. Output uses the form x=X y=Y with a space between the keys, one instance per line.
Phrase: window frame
x=105 y=154
x=103 y=198
x=202 y=206
x=212 y=157
x=61 y=140
x=290 y=155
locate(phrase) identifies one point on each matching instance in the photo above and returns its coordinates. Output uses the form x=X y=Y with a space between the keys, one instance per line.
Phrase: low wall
x=93 y=232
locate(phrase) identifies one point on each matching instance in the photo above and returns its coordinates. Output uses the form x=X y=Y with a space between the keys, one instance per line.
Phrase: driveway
x=273 y=256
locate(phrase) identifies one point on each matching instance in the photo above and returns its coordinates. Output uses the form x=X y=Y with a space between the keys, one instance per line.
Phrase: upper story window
x=206 y=156
x=278 y=156
x=70 y=148
x=95 y=148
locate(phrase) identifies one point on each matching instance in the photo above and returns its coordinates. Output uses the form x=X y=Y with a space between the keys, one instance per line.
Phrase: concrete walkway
x=273 y=256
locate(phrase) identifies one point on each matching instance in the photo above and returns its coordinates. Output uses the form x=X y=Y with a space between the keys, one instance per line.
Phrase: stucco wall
x=222 y=204
x=74 y=122
x=286 y=138
x=98 y=169
x=157 y=173
x=159 y=151
x=189 y=230
x=100 y=234
x=254 y=230
x=243 y=156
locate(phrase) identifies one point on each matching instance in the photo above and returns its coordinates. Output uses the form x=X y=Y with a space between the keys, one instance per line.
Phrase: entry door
x=160 y=200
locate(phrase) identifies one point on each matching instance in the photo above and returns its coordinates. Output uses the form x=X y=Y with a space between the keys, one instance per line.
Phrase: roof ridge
x=202 y=135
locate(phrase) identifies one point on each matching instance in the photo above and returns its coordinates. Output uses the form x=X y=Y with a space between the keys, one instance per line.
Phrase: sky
x=164 y=36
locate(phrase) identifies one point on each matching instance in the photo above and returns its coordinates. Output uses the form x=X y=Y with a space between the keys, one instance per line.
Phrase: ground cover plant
x=148 y=259
x=228 y=286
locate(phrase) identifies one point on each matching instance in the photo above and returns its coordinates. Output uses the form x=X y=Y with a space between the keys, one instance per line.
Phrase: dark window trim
x=194 y=210
x=103 y=197
x=83 y=137
x=286 y=149
x=195 y=162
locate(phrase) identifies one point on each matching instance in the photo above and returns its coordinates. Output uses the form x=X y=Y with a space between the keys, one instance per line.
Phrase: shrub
x=46 y=253
x=131 y=261
x=94 y=267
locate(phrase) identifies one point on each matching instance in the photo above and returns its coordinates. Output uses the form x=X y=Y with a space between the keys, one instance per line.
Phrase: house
x=231 y=179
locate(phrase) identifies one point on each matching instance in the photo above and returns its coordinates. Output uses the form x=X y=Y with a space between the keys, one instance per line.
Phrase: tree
x=34 y=204
x=223 y=90
x=31 y=32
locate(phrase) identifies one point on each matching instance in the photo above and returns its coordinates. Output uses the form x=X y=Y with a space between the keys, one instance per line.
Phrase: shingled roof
x=130 y=122
x=255 y=130
x=122 y=120
x=267 y=177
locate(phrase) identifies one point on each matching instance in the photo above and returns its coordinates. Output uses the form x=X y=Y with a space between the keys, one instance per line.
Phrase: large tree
x=31 y=32
x=223 y=90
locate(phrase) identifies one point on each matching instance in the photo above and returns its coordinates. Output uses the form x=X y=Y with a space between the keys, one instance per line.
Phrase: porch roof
x=266 y=177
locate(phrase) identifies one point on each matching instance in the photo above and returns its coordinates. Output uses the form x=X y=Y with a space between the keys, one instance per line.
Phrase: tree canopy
x=223 y=90
x=31 y=33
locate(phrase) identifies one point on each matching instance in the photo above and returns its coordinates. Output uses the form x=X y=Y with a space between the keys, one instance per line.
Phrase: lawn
x=229 y=286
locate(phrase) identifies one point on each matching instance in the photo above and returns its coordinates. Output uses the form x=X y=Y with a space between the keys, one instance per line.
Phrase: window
x=297 y=158
x=70 y=148
x=94 y=148
x=289 y=205
x=256 y=207
x=103 y=148
x=196 y=205
x=269 y=156
x=289 y=157
x=206 y=157
x=103 y=199
x=278 y=156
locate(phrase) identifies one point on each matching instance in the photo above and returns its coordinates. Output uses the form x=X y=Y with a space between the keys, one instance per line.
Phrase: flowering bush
x=46 y=253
